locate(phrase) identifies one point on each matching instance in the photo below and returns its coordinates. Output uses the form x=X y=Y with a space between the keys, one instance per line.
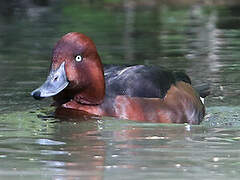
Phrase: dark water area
x=199 y=37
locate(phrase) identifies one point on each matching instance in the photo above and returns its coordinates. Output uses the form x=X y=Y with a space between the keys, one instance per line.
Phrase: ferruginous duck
x=80 y=85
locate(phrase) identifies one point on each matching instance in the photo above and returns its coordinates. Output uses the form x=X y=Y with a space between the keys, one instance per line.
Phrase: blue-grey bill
x=55 y=83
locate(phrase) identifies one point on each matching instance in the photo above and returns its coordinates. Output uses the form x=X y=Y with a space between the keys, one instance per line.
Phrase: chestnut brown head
x=76 y=68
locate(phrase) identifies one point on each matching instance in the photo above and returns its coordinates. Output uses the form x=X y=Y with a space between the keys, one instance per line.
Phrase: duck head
x=76 y=69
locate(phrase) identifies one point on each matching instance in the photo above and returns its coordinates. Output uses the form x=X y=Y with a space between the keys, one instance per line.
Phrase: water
x=200 y=38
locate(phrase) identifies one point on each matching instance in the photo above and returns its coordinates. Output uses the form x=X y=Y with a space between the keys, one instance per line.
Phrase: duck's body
x=178 y=106
x=141 y=93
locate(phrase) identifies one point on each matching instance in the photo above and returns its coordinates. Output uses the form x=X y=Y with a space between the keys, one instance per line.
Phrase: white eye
x=78 y=58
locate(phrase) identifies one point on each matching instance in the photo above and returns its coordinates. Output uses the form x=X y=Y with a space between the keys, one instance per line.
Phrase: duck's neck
x=94 y=93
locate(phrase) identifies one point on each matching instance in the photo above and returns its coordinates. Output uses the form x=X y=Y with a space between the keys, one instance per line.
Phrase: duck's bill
x=55 y=83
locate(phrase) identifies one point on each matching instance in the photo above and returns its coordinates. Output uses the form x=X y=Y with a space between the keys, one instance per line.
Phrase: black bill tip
x=37 y=95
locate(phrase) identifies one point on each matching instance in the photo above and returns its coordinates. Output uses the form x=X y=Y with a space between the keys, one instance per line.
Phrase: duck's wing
x=140 y=80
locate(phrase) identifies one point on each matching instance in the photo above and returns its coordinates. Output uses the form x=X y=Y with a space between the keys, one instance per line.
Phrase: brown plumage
x=141 y=93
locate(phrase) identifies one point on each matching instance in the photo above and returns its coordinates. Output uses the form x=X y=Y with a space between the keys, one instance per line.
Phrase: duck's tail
x=203 y=89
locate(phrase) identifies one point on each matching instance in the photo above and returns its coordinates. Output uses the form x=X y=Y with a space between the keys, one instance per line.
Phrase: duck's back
x=140 y=80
